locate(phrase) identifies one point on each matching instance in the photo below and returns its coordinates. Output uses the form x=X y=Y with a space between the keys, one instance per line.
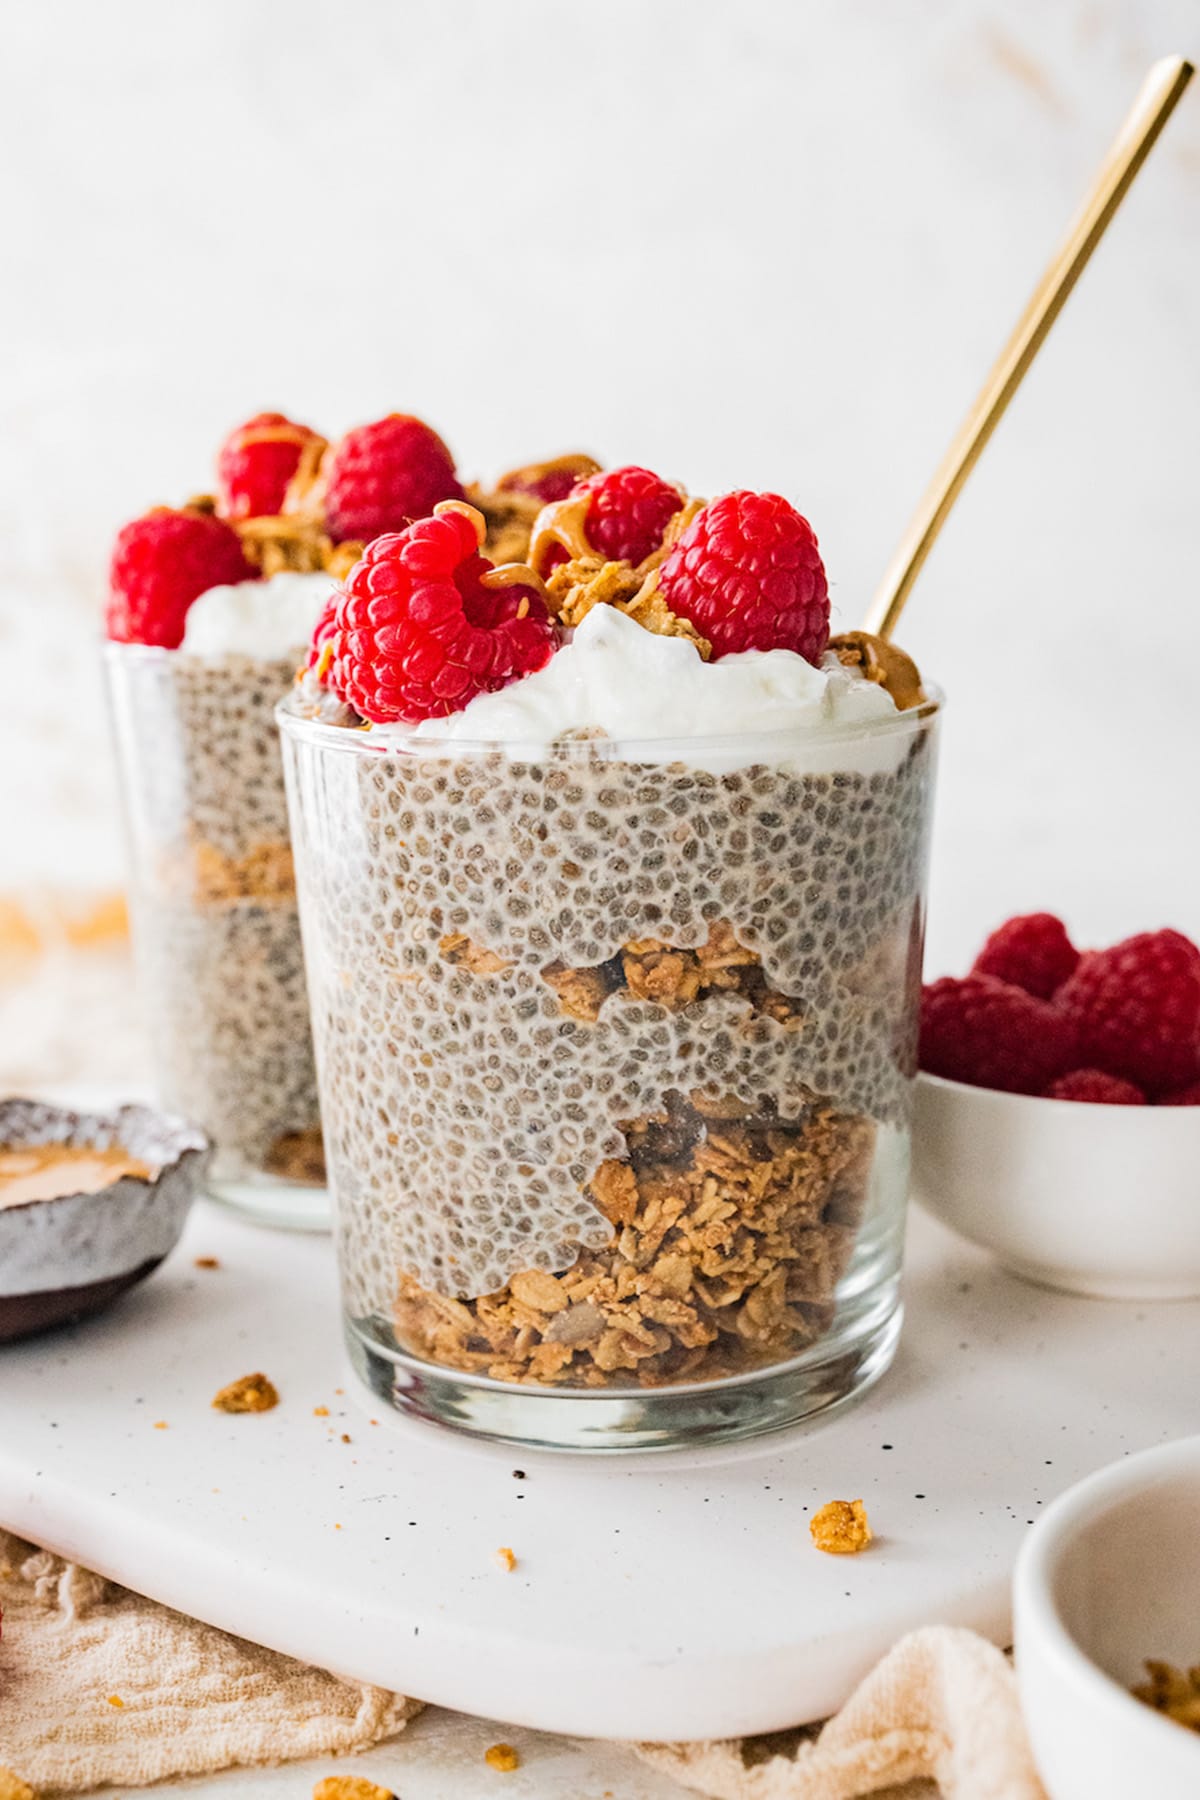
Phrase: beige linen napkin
x=942 y=1705
x=100 y=1685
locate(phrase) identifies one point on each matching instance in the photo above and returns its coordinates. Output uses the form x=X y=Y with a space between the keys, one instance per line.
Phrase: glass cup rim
x=388 y=740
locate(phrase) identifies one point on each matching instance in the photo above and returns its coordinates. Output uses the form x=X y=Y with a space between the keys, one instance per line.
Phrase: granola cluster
x=264 y=872
x=248 y=1394
x=731 y=1227
x=840 y=1528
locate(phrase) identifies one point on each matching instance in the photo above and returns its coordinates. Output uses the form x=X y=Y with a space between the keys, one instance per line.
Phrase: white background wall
x=751 y=243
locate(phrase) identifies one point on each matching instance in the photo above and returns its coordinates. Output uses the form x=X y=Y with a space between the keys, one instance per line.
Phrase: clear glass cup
x=616 y=1044
x=215 y=927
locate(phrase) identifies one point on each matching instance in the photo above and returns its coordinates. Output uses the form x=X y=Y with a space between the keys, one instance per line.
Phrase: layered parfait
x=211 y=608
x=611 y=866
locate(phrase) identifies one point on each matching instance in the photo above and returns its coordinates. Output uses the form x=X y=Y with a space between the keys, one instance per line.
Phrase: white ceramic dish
x=1100 y=1200
x=1109 y=1576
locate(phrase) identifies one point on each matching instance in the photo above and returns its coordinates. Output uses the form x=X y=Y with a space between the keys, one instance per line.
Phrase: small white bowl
x=1108 y=1577
x=1100 y=1200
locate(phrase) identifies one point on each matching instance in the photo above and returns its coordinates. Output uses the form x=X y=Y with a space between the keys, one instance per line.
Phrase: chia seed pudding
x=216 y=931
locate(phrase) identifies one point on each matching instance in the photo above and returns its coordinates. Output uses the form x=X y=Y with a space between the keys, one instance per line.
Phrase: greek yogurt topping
x=618 y=680
x=263 y=619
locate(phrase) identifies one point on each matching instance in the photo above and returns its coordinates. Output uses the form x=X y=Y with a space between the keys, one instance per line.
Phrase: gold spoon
x=1129 y=149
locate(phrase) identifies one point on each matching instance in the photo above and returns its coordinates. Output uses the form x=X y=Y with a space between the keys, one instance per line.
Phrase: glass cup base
x=830 y=1374
x=270 y=1200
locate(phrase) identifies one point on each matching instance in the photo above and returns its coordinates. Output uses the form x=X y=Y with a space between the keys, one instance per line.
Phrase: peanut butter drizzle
x=52 y=1171
x=561 y=523
x=575 y=463
x=513 y=574
x=881 y=663
x=469 y=512
x=306 y=490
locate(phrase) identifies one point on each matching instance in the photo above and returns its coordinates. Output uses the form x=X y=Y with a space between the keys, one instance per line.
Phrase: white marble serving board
x=654 y=1597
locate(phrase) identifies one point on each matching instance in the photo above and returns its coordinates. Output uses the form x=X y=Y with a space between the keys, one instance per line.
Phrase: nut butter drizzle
x=561 y=524
x=512 y=574
x=576 y=464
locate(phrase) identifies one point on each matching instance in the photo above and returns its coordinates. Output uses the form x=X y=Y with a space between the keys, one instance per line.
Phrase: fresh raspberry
x=748 y=576
x=1096 y=1086
x=1032 y=952
x=417 y=634
x=382 y=475
x=990 y=1034
x=549 y=481
x=628 y=512
x=1186 y=1096
x=160 y=563
x=1137 y=1009
x=256 y=463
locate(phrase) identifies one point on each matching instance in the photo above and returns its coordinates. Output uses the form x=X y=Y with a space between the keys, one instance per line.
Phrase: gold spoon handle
x=1153 y=107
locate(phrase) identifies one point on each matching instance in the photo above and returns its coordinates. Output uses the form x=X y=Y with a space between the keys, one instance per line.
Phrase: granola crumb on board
x=248 y=1394
x=502 y=1757
x=840 y=1528
x=350 y=1787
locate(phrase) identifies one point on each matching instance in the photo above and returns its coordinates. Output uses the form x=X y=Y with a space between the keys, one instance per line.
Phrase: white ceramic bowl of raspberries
x=1058 y=1109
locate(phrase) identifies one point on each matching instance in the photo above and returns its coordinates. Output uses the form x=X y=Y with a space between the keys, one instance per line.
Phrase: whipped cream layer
x=617 y=680
x=262 y=619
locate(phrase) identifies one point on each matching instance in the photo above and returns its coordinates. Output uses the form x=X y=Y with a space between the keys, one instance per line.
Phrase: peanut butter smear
x=881 y=663
x=527 y=478
x=51 y=1171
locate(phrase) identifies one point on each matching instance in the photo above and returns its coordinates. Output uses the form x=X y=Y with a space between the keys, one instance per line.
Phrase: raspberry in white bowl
x=1058 y=1109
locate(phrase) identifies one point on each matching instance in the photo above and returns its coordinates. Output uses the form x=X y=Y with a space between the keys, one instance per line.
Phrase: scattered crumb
x=1175 y=1692
x=337 y=1528
x=372 y=1421
x=505 y=1559
x=207 y=1262
x=339 y=1390
x=345 y=1437
x=502 y=1757
x=160 y=1425
x=840 y=1527
x=13 y=1788
x=115 y=1700
x=248 y=1394
x=320 y=1412
x=350 y=1787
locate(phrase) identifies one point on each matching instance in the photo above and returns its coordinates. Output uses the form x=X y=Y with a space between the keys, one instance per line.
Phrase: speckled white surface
x=653 y=1597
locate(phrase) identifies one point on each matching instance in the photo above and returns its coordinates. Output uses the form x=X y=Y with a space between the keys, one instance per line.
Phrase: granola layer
x=730 y=1233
